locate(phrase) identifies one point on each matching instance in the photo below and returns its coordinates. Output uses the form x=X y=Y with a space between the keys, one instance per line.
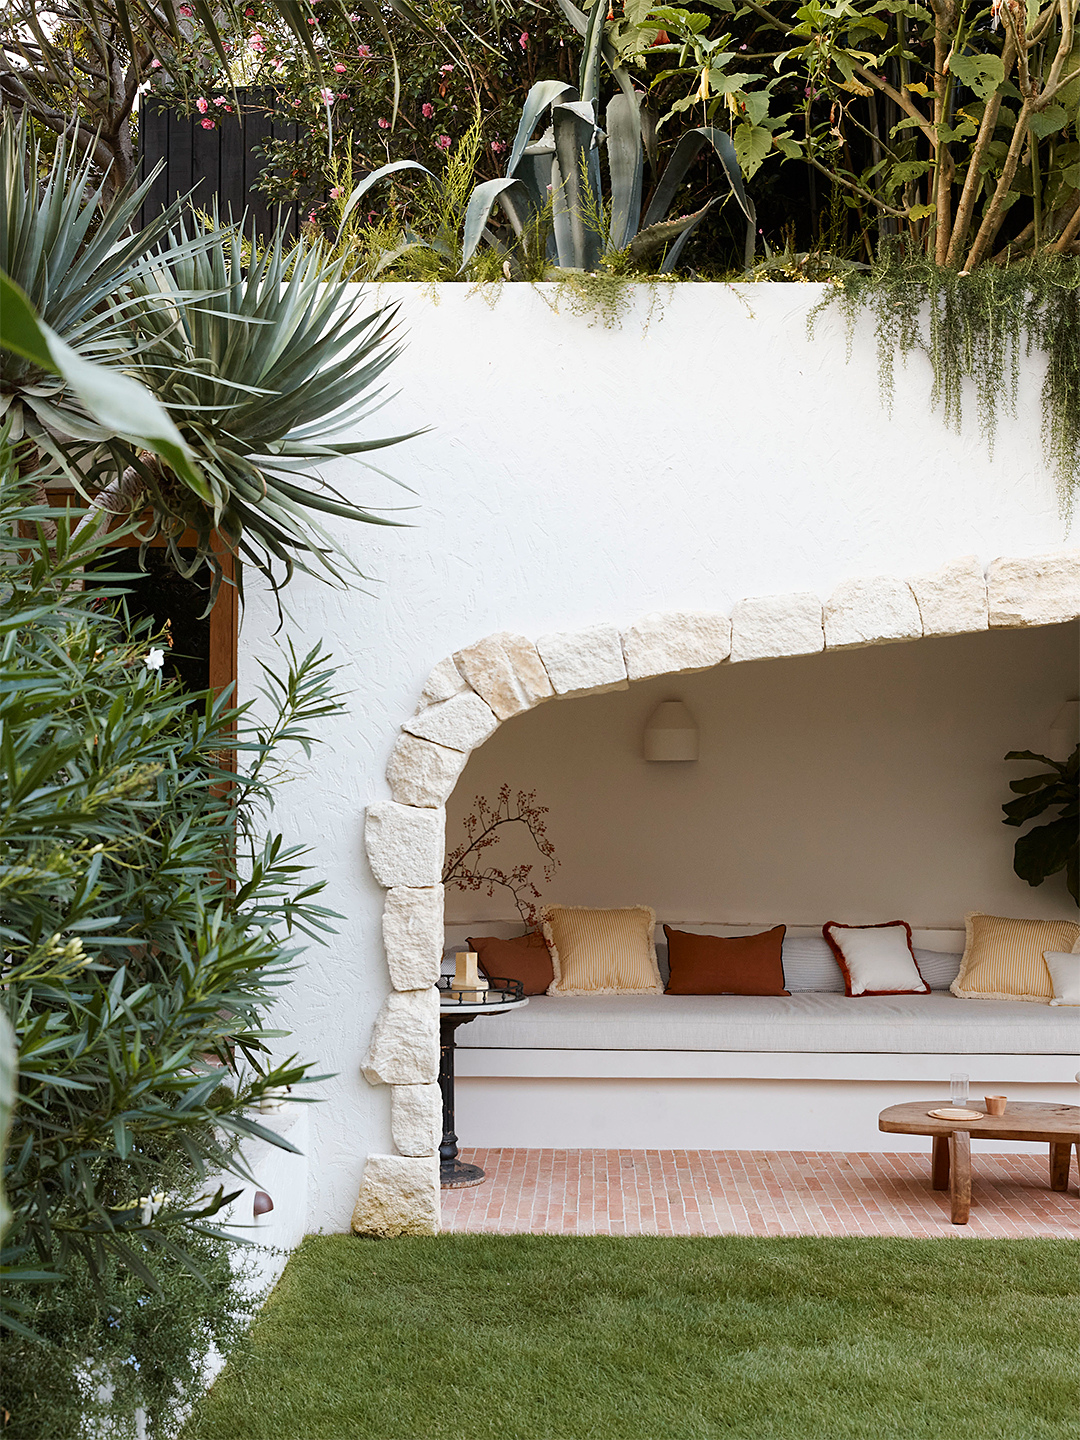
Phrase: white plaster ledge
x=1034 y=589
x=584 y=662
x=766 y=627
x=405 y=845
x=675 y=642
x=871 y=612
x=399 y=1195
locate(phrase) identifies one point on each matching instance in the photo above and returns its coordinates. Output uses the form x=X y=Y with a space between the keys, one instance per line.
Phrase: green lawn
x=563 y=1338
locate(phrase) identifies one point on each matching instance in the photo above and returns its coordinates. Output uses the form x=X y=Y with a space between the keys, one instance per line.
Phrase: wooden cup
x=995 y=1104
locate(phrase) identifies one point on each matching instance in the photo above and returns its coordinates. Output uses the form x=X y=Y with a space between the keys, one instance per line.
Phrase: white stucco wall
x=574 y=475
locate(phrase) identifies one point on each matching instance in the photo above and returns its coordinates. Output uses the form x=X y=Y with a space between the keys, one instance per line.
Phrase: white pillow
x=1065 y=975
x=876 y=959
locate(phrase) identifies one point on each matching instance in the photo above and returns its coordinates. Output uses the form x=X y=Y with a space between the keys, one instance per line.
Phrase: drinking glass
x=958 y=1089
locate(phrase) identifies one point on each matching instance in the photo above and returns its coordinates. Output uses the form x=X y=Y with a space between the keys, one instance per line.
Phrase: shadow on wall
x=856 y=785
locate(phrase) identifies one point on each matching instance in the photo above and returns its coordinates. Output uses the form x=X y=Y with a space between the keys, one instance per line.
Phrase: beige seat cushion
x=1003 y=959
x=602 y=952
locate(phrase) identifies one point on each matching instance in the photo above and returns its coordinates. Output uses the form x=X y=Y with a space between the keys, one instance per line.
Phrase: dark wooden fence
x=219 y=162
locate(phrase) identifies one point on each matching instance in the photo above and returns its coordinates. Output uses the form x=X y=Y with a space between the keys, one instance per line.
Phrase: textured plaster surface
x=551 y=499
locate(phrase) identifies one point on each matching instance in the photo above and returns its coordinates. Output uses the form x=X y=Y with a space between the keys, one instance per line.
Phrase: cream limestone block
x=461 y=723
x=399 y=1195
x=668 y=644
x=584 y=662
x=507 y=672
x=443 y=683
x=422 y=773
x=871 y=612
x=405 y=844
x=952 y=601
x=404 y=1047
x=413 y=936
x=416 y=1118
x=1034 y=590
x=768 y=626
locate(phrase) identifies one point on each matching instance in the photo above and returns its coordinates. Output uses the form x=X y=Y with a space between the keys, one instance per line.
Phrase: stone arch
x=468 y=695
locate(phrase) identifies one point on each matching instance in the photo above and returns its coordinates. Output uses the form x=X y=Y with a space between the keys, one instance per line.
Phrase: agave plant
x=562 y=168
x=259 y=360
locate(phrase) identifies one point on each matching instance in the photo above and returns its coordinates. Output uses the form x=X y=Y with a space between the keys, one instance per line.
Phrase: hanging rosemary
x=979 y=326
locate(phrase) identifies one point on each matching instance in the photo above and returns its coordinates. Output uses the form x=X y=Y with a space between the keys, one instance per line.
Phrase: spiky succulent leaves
x=67 y=249
x=686 y=152
x=260 y=365
x=591 y=28
x=120 y=405
x=373 y=179
x=625 y=166
x=667 y=236
x=515 y=200
x=1054 y=846
x=575 y=197
x=542 y=95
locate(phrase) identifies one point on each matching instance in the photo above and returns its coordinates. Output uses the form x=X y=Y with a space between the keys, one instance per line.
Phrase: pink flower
x=311 y=217
x=364 y=51
x=202 y=105
x=312 y=20
x=383 y=124
x=498 y=146
x=296 y=104
x=249 y=13
x=185 y=11
x=523 y=39
x=279 y=65
x=336 y=193
x=208 y=124
x=257 y=43
x=443 y=142
x=445 y=69
x=155 y=64
x=339 y=69
x=427 y=110
x=220 y=100
x=327 y=96
x=355 y=19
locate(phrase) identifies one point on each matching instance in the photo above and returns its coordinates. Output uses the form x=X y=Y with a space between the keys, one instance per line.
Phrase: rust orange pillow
x=725 y=965
x=525 y=958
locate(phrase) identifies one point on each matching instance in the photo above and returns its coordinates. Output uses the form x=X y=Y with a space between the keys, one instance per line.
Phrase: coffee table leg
x=1060 y=1156
x=960 y=1177
x=939 y=1163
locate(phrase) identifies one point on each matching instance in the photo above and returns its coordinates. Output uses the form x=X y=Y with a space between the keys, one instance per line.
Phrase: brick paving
x=752 y=1192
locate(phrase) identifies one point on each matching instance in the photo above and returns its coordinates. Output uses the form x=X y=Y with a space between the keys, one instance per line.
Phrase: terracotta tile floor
x=752 y=1192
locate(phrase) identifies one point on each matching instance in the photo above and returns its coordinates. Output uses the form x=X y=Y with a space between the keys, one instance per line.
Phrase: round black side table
x=455 y=1010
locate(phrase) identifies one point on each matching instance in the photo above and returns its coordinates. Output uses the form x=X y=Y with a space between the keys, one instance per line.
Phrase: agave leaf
x=372 y=179
x=478 y=211
x=686 y=152
x=625 y=165
x=543 y=94
x=580 y=21
x=671 y=259
x=574 y=198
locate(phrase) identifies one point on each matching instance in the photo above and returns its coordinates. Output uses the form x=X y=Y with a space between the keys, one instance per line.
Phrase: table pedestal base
x=457 y=1175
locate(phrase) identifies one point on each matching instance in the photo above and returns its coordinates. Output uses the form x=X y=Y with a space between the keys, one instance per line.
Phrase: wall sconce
x=1064 y=731
x=671 y=733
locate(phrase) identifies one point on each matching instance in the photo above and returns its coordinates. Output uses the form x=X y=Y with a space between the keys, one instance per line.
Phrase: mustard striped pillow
x=1003 y=959
x=602 y=952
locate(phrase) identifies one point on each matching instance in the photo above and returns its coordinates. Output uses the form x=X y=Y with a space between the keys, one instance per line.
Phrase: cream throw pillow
x=602 y=952
x=1003 y=959
x=1065 y=976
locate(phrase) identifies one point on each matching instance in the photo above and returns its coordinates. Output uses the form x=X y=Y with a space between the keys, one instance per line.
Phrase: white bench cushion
x=891 y=1024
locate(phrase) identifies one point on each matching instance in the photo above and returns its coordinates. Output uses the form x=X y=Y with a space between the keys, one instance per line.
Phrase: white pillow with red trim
x=876 y=959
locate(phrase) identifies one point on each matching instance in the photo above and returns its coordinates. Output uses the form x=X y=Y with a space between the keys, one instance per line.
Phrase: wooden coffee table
x=950 y=1165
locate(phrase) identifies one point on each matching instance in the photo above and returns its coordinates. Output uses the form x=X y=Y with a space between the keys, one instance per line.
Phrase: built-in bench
x=809 y=1071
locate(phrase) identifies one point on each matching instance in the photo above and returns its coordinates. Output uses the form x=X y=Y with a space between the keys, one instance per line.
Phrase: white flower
x=155 y=659
x=151 y=1204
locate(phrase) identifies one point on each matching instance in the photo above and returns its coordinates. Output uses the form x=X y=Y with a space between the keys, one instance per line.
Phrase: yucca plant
x=259 y=364
x=562 y=169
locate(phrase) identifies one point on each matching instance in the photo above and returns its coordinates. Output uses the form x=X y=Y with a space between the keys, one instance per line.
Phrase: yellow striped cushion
x=602 y=952
x=1003 y=959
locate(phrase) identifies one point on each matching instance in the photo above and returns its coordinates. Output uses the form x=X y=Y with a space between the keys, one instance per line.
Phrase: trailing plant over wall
x=979 y=327
x=1054 y=846
x=465 y=867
